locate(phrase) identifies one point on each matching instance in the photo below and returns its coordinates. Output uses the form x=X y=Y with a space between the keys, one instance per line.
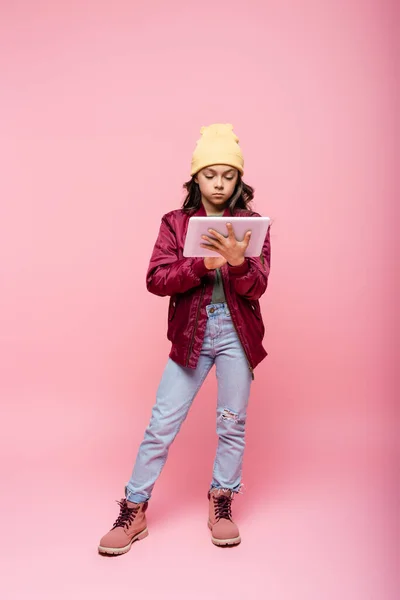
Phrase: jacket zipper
x=195 y=325
x=236 y=329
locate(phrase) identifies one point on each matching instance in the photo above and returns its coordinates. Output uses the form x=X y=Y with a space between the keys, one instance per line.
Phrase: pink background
x=101 y=104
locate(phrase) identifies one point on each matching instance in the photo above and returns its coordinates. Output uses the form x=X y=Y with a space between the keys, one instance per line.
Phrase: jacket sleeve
x=167 y=275
x=250 y=279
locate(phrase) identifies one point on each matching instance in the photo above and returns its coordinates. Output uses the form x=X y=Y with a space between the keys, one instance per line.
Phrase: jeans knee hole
x=230 y=415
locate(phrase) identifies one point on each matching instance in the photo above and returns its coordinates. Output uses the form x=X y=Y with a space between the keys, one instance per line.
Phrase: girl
x=213 y=317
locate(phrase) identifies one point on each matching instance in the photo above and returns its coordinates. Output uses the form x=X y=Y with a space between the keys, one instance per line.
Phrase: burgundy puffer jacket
x=190 y=285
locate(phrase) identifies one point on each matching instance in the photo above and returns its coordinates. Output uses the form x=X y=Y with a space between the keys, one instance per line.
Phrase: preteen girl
x=213 y=318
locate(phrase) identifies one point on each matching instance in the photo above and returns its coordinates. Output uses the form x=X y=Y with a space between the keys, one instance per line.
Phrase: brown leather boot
x=224 y=531
x=130 y=526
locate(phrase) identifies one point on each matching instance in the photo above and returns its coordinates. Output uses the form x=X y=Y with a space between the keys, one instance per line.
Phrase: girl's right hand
x=214 y=262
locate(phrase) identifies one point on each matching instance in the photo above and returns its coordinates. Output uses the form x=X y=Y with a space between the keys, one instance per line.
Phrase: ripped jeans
x=176 y=392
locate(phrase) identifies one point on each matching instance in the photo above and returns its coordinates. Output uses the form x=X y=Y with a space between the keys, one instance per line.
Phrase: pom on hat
x=218 y=145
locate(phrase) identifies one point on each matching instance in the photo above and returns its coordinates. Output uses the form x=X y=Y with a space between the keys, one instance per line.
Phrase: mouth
x=218 y=195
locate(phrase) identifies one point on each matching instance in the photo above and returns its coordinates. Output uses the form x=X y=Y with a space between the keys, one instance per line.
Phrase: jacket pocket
x=172 y=307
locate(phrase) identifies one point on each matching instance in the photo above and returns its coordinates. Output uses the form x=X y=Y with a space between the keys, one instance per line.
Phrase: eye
x=208 y=176
x=229 y=178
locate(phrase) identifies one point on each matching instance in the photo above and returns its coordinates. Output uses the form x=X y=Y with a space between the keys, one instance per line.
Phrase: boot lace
x=223 y=507
x=126 y=514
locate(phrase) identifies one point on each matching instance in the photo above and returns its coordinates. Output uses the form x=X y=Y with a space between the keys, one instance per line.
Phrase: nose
x=218 y=183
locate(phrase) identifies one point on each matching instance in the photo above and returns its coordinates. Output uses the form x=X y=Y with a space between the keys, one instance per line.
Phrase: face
x=217 y=184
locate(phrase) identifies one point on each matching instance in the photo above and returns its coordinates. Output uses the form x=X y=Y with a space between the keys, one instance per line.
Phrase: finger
x=217 y=235
x=208 y=247
x=231 y=233
x=211 y=240
x=247 y=238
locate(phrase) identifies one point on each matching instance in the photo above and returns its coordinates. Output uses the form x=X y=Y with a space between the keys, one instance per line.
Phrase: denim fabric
x=176 y=392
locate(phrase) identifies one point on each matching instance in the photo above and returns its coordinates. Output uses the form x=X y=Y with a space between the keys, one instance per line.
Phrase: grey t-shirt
x=218 y=290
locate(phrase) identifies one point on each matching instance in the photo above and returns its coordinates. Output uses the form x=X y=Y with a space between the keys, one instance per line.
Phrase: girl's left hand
x=228 y=247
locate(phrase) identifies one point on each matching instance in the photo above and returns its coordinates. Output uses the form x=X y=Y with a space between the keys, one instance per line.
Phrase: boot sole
x=115 y=551
x=227 y=542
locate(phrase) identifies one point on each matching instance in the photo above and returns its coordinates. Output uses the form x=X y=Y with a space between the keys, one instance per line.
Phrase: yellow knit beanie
x=218 y=145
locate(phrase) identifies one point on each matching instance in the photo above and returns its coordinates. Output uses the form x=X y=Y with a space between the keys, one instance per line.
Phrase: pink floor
x=321 y=526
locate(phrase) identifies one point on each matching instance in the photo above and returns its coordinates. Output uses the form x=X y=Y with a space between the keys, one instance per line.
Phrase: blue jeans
x=177 y=390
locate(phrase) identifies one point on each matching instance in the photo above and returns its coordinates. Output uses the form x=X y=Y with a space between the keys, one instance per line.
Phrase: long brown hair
x=242 y=195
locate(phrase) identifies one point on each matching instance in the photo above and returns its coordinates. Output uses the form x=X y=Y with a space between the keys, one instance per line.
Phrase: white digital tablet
x=199 y=226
